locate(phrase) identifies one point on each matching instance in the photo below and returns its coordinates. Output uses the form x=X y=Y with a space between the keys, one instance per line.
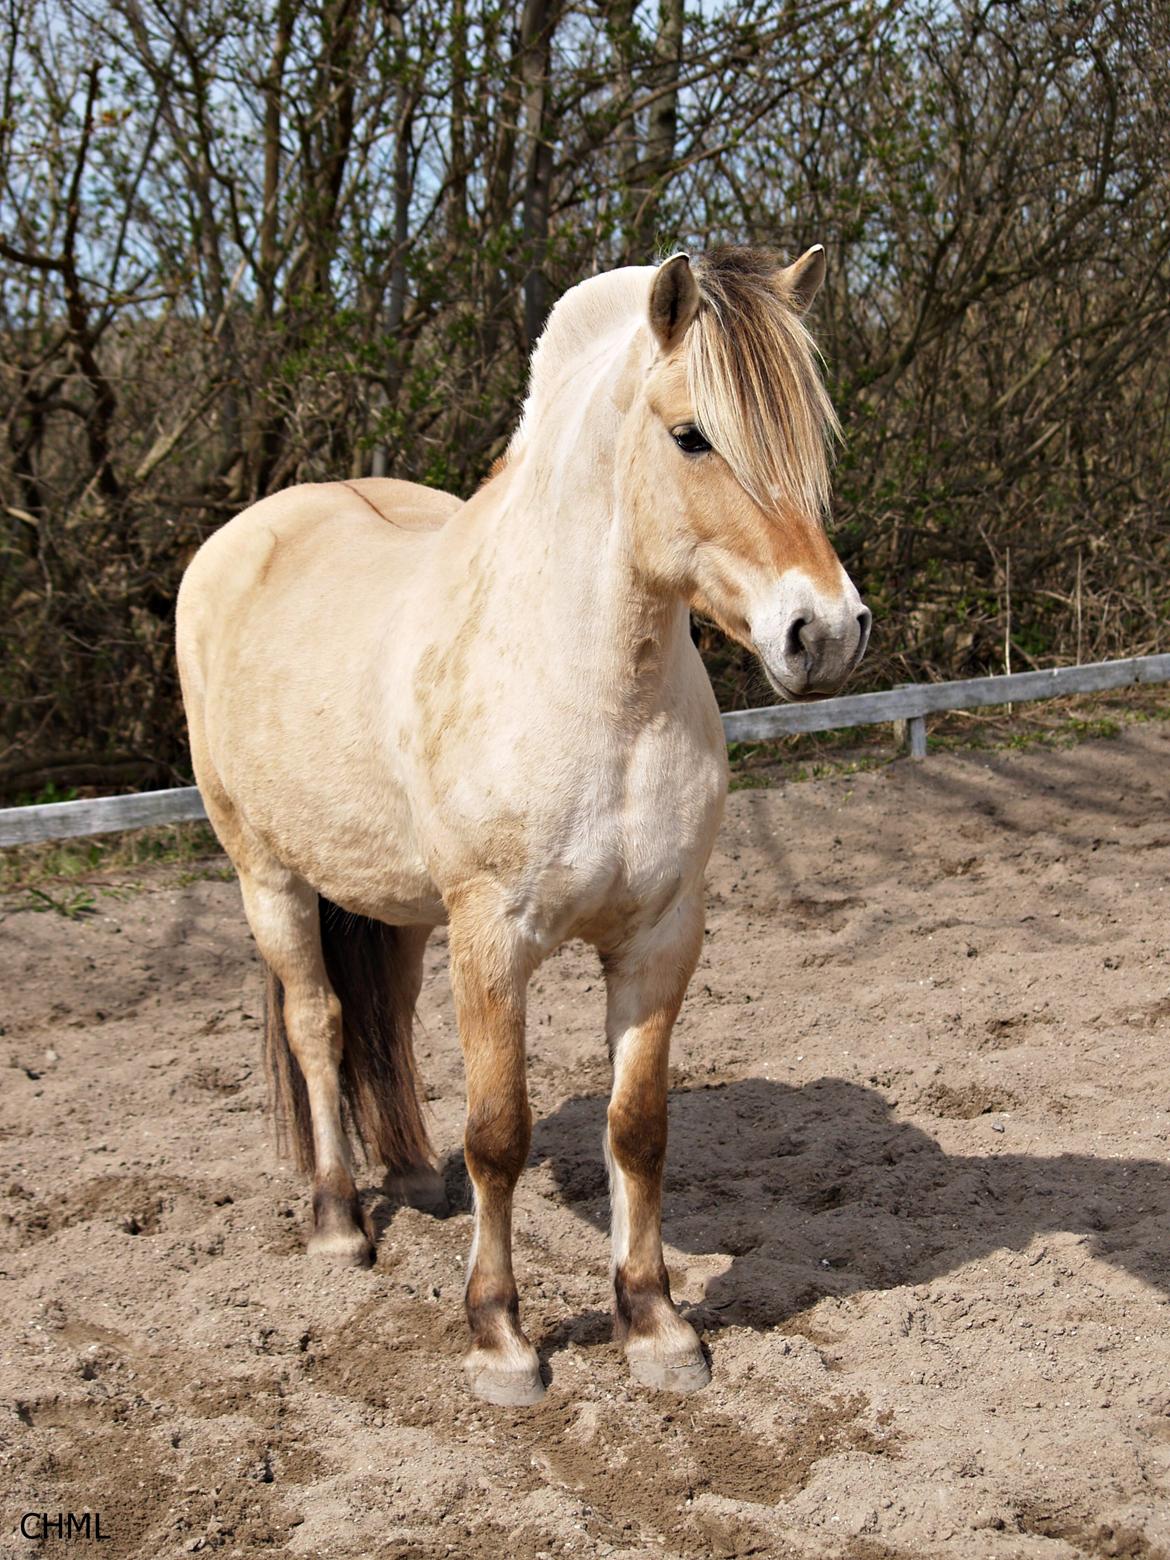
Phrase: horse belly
x=370 y=874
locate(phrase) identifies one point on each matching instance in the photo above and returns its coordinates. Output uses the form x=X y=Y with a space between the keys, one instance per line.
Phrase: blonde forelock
x=753 y=374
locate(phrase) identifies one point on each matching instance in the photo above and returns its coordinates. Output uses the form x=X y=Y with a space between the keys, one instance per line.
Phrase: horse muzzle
x=808 y=641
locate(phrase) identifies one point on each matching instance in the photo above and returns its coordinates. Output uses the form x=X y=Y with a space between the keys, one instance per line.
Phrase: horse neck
x=562 y=559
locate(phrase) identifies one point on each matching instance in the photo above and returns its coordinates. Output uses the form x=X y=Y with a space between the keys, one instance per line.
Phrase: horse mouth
x=788 y=696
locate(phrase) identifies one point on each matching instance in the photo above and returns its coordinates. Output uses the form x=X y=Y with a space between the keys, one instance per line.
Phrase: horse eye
x=689 y=439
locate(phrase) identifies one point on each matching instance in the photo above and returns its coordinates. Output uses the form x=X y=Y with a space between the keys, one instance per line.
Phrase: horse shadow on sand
x=821 y=1190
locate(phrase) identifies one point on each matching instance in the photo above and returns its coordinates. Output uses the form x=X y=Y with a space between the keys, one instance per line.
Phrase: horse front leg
x=488 y=980
x=646 y=981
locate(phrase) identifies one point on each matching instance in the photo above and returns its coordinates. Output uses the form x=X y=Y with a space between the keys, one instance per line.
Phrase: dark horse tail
x=379 y=1080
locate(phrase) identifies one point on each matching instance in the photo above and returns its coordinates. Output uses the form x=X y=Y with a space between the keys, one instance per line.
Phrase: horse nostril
x=794 y=640
x=864 y=623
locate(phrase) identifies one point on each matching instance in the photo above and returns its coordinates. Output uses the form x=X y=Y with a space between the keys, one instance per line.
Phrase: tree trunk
x=535 y=57
x=662 y=127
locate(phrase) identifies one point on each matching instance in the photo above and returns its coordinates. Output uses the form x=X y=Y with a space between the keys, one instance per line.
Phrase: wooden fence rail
x=102 y=815
x=111 y=814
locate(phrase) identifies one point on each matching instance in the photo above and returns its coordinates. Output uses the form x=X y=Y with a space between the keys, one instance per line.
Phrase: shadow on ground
x=821 y=1190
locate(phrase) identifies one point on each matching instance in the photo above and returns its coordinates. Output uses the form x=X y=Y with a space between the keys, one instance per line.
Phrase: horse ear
x=803 y=277
x=674 y=301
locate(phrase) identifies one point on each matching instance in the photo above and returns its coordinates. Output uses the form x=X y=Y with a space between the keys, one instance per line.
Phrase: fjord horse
x=407 y=711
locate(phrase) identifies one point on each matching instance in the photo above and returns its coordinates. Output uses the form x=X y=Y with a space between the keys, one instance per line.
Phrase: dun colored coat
x=407 y=711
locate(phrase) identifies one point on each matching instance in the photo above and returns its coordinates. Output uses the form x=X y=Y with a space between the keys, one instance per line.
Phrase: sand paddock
x=917 y=1200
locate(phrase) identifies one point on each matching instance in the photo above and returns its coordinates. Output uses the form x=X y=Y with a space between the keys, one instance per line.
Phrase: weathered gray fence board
x=102 y=815
x=109 y=814
x=866 y=709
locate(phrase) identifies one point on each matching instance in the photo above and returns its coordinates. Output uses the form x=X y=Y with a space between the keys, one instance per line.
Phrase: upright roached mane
x=753 y=373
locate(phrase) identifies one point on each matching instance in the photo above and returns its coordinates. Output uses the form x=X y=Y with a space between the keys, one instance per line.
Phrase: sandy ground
x=917 y=1202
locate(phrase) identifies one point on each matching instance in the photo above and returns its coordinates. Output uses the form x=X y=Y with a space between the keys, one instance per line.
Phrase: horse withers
x=407 y=711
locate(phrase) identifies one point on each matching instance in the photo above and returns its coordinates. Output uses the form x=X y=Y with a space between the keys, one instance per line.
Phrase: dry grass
x=108 y=857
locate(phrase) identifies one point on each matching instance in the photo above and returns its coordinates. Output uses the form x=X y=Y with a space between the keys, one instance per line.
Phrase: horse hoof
x=508 y=1388
x=422 y=1189
x=684 y=1373
x=507 y=1375
x=342 y=1248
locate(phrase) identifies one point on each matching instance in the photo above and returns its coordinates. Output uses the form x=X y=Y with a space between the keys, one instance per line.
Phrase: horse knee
x=497 y=1140
x=637 y=1139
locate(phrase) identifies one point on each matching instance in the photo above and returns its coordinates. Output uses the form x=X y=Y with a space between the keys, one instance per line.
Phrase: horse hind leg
x=303 y=1053
x=414 y=1182
x=304 y=1038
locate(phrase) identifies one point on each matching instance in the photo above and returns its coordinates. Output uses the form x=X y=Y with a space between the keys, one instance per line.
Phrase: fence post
x=910 y=732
